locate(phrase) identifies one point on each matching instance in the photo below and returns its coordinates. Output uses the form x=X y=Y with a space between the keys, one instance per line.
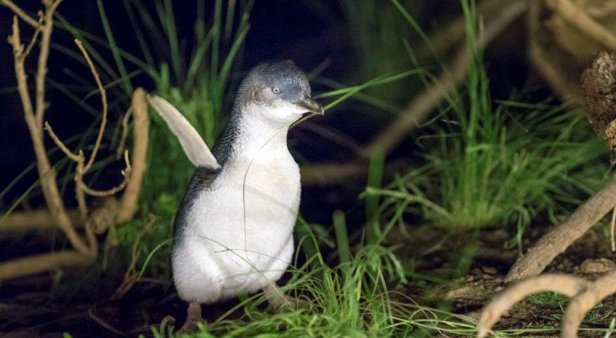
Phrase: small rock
x=490 y=270
x=485 y=276
x=599 y=265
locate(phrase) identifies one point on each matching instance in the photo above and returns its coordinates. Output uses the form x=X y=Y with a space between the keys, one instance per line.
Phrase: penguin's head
x=277 y=91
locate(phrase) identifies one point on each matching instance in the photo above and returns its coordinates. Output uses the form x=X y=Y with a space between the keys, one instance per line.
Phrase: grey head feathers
x=281 y=78
x=265 y=85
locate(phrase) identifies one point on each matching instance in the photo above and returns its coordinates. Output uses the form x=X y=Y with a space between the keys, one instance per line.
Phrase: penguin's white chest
x=239 y=233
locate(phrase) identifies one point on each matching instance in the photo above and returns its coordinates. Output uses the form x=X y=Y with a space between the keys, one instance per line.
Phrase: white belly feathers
x=239 y=235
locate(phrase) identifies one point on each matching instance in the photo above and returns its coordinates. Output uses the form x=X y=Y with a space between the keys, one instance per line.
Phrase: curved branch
x=103 y=92
x=583 y=302
x=563 y=284
x=141 y=127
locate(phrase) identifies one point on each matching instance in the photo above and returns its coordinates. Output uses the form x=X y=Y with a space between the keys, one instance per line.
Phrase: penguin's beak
x=310 y=105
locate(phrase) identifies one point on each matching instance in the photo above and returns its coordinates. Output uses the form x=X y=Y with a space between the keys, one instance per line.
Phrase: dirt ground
x=27 y=308
x=589 y=257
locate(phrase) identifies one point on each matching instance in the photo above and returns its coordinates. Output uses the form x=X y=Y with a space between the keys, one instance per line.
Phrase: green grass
x=498 y=165
x=547 y=299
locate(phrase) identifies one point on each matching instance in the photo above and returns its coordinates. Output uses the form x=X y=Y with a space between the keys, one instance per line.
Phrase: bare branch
x=41 y=73
x=103 y=93
x=39 y=263
x=79 y=193
x=141 y=127
x=60 y=144
x=40 y=219
x=586 y=300
x=557 y=240
x=20 y=12
x=103 y=193
x=576 y=17
x=563 y=284
x=46 y=172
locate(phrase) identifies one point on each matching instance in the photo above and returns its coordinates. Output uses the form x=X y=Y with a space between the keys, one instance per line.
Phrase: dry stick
x=42 y=219
x=41 y=72
x=557 y=240
x=563 y=284
x=586 y=300
x=19 y=12
x=387 y=139
x=39 y=219
x=35 y=264
x=103 y=92
x=131 y=276
x=112 y=191
x=54 y=137
x=141 y=127
x=46 y=173
x=575 y=16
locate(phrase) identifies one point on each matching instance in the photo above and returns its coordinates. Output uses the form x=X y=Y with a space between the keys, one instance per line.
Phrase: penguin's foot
x=278 y=300
x=193 y=318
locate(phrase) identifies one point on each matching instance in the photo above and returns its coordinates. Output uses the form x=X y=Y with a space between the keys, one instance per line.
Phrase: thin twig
x=131 y=276
x=104 y=324
x=37 y=31
x=124 y=135
x=20 y=12
x=112 y=191
x=103 y=93
x=60 y=144
x=41 y=72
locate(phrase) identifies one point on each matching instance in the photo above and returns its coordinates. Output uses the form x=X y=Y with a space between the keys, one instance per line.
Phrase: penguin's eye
x=276 y=90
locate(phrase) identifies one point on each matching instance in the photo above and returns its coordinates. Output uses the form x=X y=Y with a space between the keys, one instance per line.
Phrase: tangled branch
x=84 y=249
x=584 y=296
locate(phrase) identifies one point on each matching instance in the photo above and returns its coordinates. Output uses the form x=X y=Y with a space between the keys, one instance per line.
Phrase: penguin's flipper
x=194 y=146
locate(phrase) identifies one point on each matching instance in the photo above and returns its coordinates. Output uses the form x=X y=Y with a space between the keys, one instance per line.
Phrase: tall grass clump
x=499 y=164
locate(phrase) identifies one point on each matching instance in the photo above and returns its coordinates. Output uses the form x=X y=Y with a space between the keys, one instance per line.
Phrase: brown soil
x=589 y=257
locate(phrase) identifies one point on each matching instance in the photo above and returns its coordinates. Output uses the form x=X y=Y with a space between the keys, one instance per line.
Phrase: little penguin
x=233 y=232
